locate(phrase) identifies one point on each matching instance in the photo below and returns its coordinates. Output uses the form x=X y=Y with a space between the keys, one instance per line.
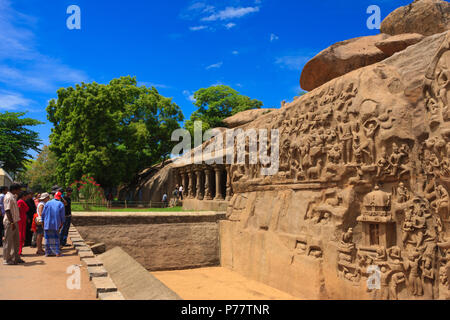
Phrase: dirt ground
x=43 y=278
x=218 y=284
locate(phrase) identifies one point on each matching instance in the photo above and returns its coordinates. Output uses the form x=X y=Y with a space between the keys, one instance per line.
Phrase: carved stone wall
x=363 y=183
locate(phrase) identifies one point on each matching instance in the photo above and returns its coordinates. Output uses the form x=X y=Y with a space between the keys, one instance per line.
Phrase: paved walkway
x=43 y=278
x=218 y=284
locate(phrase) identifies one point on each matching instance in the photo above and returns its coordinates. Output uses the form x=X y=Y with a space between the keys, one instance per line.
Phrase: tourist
x=68 y=217
x=36 y=199
x=38 y=224
x=53 y=217
x=180 y=192
x=3 y=191
x=164 y=200
x=23 y=209
x=10 y=221
x=30 y=213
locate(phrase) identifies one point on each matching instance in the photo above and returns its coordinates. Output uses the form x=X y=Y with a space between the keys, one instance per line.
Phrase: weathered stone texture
x=161 y=241
x=132 y=279
x=426 y=17
x=363 y=181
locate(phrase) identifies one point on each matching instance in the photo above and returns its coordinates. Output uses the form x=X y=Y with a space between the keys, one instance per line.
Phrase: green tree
x=216 y=103
x=40 y=174
x=17 y=140
x=112 y=131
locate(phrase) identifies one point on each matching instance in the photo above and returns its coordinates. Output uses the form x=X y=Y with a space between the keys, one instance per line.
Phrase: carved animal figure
x=315 y=172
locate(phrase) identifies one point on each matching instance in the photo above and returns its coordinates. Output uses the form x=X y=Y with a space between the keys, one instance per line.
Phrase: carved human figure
x=383 y=164
x=419 y=224
x=396 y=279
x=402 y=193
x=370 y=128
x=427 y=277
x=357 y=150
x=384 y=282
x=346 y=137
x=414 y=283
x=347 y=238
x=395 y=254
x=408 y=225
x=442 y=201
x=395 y=159
x=334 y=154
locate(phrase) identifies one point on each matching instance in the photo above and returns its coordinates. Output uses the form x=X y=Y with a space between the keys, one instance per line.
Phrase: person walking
x=23 y=209
x=3 y=191
x=38 y=223
x=53 y=217
x=68 y=217
x=10 y=222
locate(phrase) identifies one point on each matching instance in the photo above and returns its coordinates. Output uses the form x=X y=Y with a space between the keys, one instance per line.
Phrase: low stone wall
x=158 y=241
x=205 y=205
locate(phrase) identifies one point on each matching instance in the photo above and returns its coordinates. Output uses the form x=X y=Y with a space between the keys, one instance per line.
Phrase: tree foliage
x=110 y=132
x=17 y=140
x=40 y=174
x=216 y=103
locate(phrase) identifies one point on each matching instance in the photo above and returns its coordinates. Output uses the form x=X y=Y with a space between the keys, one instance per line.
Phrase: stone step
x=92 y=262
x=86 y=254
x=104 y=284
x=111 y=296
x=96 y=272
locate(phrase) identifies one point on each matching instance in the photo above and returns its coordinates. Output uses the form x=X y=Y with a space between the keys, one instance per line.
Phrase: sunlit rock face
x=362 y=189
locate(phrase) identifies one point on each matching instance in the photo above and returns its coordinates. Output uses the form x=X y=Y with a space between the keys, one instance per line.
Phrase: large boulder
x=245 y=117
x=341 y=58
x=398 y=43
x=425 y=17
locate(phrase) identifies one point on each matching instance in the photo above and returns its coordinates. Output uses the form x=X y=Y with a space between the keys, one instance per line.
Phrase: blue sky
x=258 y=47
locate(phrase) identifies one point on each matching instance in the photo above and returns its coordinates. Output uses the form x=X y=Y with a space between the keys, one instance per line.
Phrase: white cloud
x=235 y=52
x=11 y=100
x=152 y=84
x=292 y=62
x=30 y=69
x=230 y=25
x=198 y=28
x=273 y=37
x=189 y=95
x=215 y=66
x=231 y=13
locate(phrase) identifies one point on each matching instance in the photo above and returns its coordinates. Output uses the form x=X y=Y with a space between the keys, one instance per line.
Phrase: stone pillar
x=191 y=184
x=199 y=194
x=208 y=193
x=219 y=195
x=229 y=192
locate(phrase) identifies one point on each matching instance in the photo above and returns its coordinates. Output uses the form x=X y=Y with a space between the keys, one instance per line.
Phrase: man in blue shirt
x=53 y=217
x=3 y=191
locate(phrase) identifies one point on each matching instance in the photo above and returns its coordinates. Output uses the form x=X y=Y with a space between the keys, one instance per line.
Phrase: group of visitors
x=177 y=195
x=28 y=219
